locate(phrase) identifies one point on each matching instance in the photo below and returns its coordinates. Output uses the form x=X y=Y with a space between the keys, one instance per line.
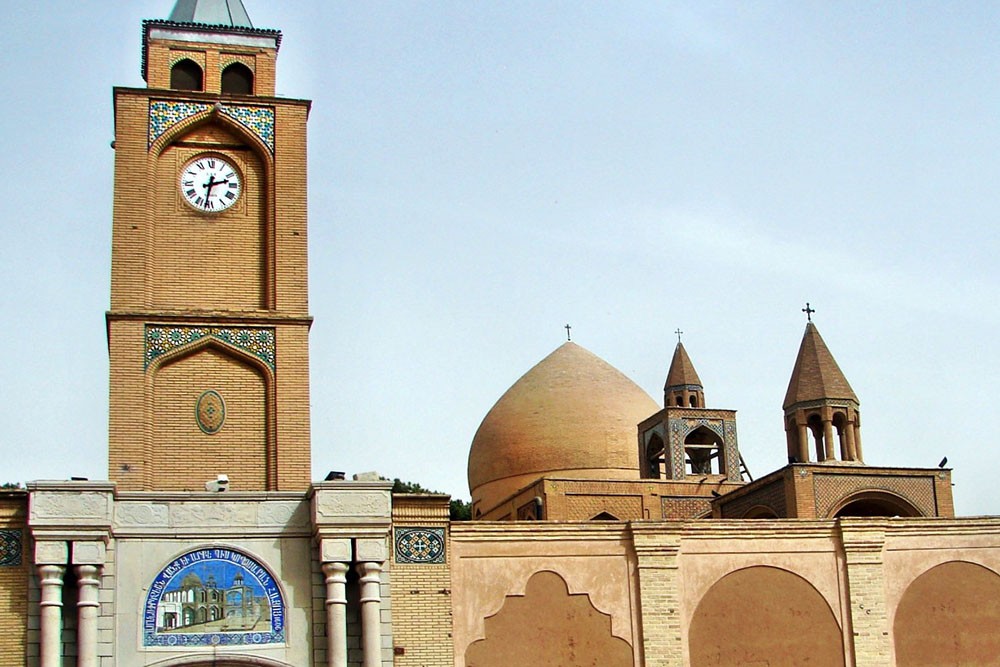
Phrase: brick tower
x=208 y=326
x=685 y=440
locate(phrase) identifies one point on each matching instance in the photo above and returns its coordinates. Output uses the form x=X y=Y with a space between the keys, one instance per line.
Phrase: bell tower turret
x=820 y=402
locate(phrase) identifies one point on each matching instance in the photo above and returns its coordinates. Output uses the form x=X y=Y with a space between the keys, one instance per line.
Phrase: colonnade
x=335 y=574
x=87 y=565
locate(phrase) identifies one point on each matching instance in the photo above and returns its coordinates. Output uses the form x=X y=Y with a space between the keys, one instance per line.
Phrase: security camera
x=217 y=485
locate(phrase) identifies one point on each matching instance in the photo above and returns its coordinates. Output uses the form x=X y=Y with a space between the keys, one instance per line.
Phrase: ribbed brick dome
x=573 y=415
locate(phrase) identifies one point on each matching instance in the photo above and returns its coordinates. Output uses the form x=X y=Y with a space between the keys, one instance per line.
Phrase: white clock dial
x=210 y=184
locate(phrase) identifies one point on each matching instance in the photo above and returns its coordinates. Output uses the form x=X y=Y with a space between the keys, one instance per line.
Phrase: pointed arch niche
x=182 y=454
x=764 y=615
x=949 y=615
x=211 y=261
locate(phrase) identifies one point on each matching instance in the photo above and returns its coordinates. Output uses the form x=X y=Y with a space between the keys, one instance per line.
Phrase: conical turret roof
x=816 y=374
x=211 y=12
x=682 y=372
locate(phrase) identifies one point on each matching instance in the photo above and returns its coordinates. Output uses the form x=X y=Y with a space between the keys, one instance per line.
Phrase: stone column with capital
x=51 y=581
x=88 y=559
x=336 y=554
x=371 y=613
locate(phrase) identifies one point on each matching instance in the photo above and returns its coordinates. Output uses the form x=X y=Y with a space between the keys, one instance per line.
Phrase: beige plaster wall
x=493 y=561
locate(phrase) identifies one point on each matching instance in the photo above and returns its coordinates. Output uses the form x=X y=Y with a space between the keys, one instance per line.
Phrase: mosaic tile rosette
x=420 y=545
x=257 y=341
x=10 y=548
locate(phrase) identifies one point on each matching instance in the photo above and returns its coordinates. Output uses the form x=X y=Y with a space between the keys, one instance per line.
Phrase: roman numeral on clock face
x=210 y=184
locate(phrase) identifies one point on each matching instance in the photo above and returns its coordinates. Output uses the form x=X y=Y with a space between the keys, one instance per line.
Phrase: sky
x=482 y=174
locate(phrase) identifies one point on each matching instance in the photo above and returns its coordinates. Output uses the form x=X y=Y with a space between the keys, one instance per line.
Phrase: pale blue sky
x=483 y=173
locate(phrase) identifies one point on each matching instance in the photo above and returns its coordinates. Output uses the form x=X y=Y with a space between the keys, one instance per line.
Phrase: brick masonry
x=421 y=592
x=14 y=574
x=244 y=267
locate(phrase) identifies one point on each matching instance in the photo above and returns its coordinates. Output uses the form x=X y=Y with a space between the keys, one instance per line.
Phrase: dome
x=573 y=414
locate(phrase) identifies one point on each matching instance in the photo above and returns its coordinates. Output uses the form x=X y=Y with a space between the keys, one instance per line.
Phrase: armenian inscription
x=213 y=597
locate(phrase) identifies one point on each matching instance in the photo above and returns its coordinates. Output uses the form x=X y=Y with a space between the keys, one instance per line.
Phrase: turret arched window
x=186 y=75
x=237 y=79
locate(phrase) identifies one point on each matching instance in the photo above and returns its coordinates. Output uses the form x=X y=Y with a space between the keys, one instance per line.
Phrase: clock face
x=210 y=184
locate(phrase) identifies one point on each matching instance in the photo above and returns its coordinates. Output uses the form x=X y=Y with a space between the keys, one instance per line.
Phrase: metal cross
x=678 y=332
x=808 y=311
x=568 y=327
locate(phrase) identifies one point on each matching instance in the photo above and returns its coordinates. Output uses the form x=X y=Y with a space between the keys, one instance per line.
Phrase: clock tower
x=208 y=326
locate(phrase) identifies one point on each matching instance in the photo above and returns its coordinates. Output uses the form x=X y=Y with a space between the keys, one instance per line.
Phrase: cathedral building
x=607 y=530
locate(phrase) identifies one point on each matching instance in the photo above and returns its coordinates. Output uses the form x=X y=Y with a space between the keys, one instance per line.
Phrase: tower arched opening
x=815 y=426
x=703 y=452
x=186 y=74
x=237 y=79
x=656 y=457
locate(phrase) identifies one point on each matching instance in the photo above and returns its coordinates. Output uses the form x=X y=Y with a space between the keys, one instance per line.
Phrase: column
x=371 y=613
x=828 y=440
x=51 y=577
x=852 y=452
x=87 y=609
x=336 y=614
x=804 y=443
x=857 y=441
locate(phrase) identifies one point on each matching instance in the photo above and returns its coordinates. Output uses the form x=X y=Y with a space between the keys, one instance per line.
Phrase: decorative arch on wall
x=764 y=615
x=205 y=343
x=949 y=615
x=546 y=626
x=875 y=503
x=215 y=114
x=760 y=512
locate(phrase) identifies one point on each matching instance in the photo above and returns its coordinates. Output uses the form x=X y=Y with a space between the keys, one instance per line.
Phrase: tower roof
x=211 y=12
x=572 y=414
x=816 y=374
x=682 y=372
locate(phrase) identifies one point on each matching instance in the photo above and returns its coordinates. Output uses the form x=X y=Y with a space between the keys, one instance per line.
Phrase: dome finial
x=567 y=328
x=678 y=332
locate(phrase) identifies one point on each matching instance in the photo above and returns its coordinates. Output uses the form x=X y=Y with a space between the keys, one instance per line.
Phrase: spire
x=211 y=12
x=683 y=386
x=816 y=374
